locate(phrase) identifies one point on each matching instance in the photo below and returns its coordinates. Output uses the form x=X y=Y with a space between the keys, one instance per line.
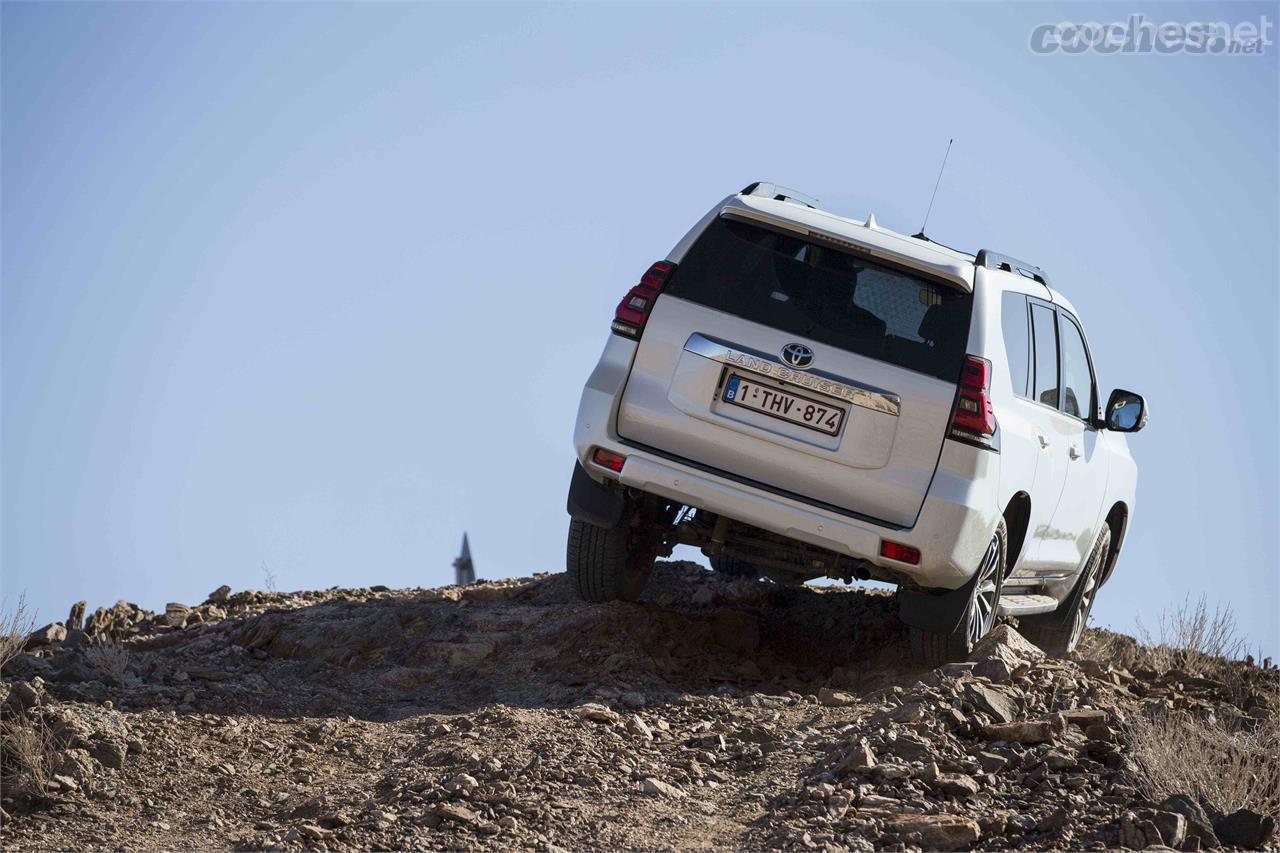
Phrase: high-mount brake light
x=633 y=311
x=608 y=459
x=974 y=420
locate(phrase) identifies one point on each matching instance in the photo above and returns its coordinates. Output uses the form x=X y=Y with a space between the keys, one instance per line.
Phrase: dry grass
x=1191 y=637
x=15 y=626
x=1227 y=763
x=108 y=658
x=28 y=752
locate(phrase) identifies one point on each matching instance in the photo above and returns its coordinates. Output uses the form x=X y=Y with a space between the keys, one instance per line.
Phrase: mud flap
x=592 y=502
x=938 y=612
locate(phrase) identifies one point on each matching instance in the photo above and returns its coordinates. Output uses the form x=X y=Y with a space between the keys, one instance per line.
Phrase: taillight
x=608 y=459
x=901 y=553
x=974 y=420
x=633 y=310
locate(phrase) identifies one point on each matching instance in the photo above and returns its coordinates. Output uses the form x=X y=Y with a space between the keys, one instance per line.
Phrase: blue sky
x=312 y=288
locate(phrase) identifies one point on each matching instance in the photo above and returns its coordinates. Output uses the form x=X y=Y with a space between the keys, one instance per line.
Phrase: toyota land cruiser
x=802 y=395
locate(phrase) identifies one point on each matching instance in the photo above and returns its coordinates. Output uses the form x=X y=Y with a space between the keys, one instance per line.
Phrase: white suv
x=802 y=395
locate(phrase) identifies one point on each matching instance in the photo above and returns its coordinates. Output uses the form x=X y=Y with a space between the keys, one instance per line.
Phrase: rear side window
x=1045 y=347
x=818 y=292
x=1017 y=340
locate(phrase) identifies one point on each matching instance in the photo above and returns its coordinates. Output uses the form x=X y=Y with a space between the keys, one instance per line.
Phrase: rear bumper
x=952 y=530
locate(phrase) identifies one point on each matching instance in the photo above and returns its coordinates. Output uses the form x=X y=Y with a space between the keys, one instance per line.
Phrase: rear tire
x=602 y=566
x=980 y=612
x=1059 y=632
x=733 y=567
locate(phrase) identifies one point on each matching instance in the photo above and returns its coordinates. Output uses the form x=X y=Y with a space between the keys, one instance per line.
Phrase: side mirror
x=1126 y=411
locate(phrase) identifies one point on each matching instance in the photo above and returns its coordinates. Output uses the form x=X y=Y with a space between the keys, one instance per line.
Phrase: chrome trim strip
x=866 y=396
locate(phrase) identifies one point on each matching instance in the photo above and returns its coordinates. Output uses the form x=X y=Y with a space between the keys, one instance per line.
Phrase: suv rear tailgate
x=879 y=465
x=880 y=460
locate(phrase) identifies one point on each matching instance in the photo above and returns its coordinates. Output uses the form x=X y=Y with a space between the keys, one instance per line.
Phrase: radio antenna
x=935 y=191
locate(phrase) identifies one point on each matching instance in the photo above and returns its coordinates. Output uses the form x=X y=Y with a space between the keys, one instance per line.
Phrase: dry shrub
x=1191 y=637
x=108 y=658
x=1228 y=763
x=28 y=756
x=15 y=627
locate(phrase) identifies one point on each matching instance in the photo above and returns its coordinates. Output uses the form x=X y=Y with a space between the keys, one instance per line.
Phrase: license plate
x=824 y=417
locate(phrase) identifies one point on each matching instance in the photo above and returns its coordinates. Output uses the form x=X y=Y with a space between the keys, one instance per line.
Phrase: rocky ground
x=714 y=713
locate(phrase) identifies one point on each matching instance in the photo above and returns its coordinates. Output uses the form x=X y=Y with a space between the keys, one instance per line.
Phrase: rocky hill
x=714 y=713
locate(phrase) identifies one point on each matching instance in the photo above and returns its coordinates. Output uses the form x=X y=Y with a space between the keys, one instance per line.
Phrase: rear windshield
x=823 y=294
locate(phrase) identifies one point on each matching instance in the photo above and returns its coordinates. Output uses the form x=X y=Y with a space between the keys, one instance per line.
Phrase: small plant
x=1192 y=637
x=15 y=627
x=28 y=755
x=268 y=577
x=108 y=658
x=1228 y=763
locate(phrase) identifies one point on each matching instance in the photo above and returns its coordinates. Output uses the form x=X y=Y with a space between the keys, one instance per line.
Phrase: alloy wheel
x=1081 y=617
x=981 y=617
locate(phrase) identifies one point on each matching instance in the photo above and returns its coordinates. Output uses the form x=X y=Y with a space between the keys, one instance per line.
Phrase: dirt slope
x=712 y=714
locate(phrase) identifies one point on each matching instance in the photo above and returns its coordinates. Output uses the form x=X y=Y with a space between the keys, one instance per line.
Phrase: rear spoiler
x=777 y=193
x=996 y=261
x=866 y=239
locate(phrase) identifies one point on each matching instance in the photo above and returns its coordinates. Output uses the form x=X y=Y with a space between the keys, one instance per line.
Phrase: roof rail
x=996 y=261
x=777 y=193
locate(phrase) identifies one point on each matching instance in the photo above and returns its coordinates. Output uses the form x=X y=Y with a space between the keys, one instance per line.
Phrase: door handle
x=1073 y=452
x=1044 y=442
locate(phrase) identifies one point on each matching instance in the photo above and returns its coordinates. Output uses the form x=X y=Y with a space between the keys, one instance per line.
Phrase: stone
x=1054 y=821
x=1172 y=827
x=75 y=619
x=957 y=785
x=703 y=596
x=463 y=783
x=1024 y=731
x=54 y=632
x=1137 y=833
x=1244 y=828
x=456 y=813
x=1007 y=645
x=1057 y=760
x=908 y=712
x=935 y=832
x=860 y=757
x=76 y=764
x=995 y=668
x=75 y=639
x=637 y=727
x=658 y=788
x=109 y=753
x=892 y=772
x=24 y=695
x=911 y=748
x=1100 y=732
x=992 y=762
x=994 y=701
x=1198 y=824
x=175 y=614
x=835 y=698
x=1084 y=717
x=598 y=713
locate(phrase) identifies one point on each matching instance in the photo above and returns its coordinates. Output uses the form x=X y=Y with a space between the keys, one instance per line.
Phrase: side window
x=1045 y=347
x=1077 y=379
x=1017 y=340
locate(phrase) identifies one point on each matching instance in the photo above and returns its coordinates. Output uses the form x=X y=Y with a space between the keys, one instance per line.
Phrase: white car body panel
x=886 y=477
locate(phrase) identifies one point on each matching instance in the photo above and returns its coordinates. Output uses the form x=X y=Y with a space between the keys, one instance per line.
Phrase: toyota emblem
x=797 y=355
